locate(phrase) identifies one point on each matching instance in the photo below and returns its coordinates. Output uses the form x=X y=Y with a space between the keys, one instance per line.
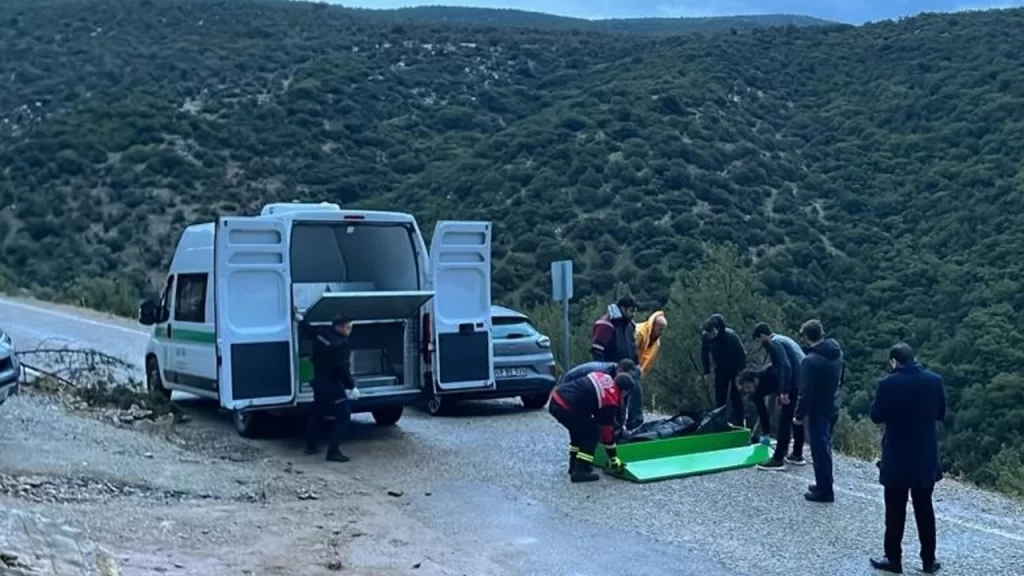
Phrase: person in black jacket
x=909 y=401
x=333 y=387
x=820 y=375
x=722 y=347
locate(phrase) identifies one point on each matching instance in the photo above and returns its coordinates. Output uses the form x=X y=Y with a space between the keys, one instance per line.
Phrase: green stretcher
x=685 y=456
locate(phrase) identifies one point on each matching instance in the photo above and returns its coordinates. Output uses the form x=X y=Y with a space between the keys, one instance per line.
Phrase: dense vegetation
x=522 y=19
x=872 y=176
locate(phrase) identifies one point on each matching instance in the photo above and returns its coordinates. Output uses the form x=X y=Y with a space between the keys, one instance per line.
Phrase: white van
x=226 y=326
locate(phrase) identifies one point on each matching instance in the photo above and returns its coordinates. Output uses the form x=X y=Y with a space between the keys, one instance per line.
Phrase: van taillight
x=426 y=338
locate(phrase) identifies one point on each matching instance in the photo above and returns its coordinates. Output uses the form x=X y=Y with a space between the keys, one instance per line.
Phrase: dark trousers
x=331 y=414
x=583 y=430
x=726 y=393
x=786 y=430
x=896 y=519
x=819 y=436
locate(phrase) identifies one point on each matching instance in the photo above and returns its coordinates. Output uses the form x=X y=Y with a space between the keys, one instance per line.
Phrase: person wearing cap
x=722 y=348
x=333 y=388
x=785 y=356
x=587 y=406
x=613 y=338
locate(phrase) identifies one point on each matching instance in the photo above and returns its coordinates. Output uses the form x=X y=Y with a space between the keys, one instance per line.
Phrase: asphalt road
x=494 y=475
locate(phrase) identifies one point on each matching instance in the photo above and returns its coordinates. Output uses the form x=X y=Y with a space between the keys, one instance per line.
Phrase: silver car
x=10 y=368
x=523 y=364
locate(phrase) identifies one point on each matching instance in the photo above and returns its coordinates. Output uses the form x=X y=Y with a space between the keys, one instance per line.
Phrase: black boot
x=335 y=455
x=584 y=472
x=572 y=462
x=886 y=565
x=931 y=567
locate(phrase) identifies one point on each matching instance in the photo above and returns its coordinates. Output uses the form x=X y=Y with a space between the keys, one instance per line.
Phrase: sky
x=850 y=11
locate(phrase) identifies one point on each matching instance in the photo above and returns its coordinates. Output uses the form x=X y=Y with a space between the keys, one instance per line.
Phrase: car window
x=511 y=327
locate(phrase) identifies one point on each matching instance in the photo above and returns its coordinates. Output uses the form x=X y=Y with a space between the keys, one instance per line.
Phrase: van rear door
x=460 y=267
x=254 y=315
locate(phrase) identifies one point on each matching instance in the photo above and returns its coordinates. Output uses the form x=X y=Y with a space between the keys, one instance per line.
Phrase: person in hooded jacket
x=587 y=406
x=821 y=375
x=722 y=349
x=648 y=340
x=613 y=338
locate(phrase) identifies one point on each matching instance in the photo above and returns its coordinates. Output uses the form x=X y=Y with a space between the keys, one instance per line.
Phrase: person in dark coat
x=613 y=338
x=786 y=357
x=908 y=402
x=333 y=387
x=820 y=375
x=722 y=349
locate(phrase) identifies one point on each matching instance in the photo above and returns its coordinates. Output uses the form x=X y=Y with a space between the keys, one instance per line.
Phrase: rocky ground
x=167 y=498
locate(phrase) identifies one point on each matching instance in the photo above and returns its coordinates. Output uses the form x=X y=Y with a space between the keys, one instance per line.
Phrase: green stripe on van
x=185 y=335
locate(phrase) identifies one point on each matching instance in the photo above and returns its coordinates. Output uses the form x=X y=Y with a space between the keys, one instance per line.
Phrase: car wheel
x=439 y=406
x=535 y=401
x=387 y=416
x=155 y=384
x=249 y=424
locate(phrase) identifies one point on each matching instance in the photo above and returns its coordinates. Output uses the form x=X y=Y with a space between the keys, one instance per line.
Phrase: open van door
x=254 y=317
x=460 y=266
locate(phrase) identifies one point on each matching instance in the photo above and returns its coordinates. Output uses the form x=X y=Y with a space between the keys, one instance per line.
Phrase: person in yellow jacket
x=648 y=340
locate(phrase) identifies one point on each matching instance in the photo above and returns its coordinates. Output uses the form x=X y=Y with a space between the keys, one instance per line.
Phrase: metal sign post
x=561 y=290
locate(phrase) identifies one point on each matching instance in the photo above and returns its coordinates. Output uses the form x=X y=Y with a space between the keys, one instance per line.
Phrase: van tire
x=388 y=416
x=249 y=424
x=155 y=384
x=535 y=401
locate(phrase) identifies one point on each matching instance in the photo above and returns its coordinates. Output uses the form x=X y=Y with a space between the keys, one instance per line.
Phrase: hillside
x=536 y=20
x=873 y=176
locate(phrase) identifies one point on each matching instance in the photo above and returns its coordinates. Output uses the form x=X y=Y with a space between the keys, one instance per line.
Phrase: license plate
x=509 y=372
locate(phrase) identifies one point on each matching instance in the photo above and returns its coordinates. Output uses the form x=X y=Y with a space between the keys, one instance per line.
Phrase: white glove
x=352 y=394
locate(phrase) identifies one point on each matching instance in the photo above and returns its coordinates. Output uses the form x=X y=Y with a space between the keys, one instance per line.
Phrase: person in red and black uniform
x=588 y=406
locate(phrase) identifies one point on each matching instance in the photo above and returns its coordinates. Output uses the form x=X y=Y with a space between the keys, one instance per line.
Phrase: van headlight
x=544 y=342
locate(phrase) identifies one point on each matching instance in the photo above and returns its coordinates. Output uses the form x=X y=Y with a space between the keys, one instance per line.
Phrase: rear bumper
x=509 y=388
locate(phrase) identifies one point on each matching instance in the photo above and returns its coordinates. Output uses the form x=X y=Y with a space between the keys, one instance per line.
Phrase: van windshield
x=357 y=257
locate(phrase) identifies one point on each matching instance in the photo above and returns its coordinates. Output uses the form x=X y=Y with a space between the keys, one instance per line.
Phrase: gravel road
x=492 y=479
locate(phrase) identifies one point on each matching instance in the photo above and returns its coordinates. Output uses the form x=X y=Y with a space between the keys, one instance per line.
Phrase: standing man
x=785 y=356
x=587 y=407
x=909 y=401
x=648 y=340
x=333 y=388
x=723 y=347
x=613 y=338
x=820 y=374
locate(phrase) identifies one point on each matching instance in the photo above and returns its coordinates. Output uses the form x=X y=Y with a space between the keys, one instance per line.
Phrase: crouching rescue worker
x=333 y=388
x=588 y=406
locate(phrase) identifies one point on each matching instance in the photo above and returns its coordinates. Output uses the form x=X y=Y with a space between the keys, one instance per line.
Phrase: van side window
x=163 y=310
x=190 y=298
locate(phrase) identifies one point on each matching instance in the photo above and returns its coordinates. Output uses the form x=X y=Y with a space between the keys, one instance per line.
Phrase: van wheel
x=155 y=384
x=535 y=401
x=439 y=406
x=249 y=424
x=388 y=416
